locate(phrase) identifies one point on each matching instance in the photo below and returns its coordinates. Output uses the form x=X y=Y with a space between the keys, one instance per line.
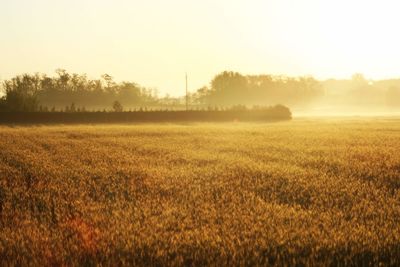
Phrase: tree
x=229 y=88
x=21 y=93
x=202 y=95
x=3 y=106
x=129 y=92
x=72 y=108
x=117 y=106
x=63 y=79
x=110 y=84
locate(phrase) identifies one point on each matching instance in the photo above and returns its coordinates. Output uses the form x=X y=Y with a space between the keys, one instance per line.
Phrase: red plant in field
x=87 y=235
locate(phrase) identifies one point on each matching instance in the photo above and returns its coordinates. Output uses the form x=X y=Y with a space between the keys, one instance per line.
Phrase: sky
x=154 y=42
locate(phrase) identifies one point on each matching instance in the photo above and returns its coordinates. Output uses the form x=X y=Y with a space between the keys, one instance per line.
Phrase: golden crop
x=306 y=192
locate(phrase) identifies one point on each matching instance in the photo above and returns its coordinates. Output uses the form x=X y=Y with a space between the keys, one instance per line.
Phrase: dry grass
x=305 y=192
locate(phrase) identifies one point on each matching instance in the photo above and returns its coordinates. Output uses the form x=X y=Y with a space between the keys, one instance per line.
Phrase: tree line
x=75 y=92
x=70 y=92
x=233 y=88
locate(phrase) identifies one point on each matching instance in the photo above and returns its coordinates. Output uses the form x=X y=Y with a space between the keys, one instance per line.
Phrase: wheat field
x=304 y=192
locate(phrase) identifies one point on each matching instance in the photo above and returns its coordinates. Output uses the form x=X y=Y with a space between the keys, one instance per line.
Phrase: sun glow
x=155 y=42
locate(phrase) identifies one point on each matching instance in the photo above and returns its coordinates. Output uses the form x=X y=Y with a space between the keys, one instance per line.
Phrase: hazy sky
x=154 y=42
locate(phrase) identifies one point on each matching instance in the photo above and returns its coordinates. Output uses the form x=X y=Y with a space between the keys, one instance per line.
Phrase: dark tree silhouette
x=27 y=92
x=117 y=107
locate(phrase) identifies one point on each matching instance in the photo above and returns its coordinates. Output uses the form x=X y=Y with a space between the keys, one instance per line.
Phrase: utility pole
x=186 y=92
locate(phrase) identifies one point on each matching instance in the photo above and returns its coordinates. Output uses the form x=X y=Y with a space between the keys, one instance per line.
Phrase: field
x=307 y=191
